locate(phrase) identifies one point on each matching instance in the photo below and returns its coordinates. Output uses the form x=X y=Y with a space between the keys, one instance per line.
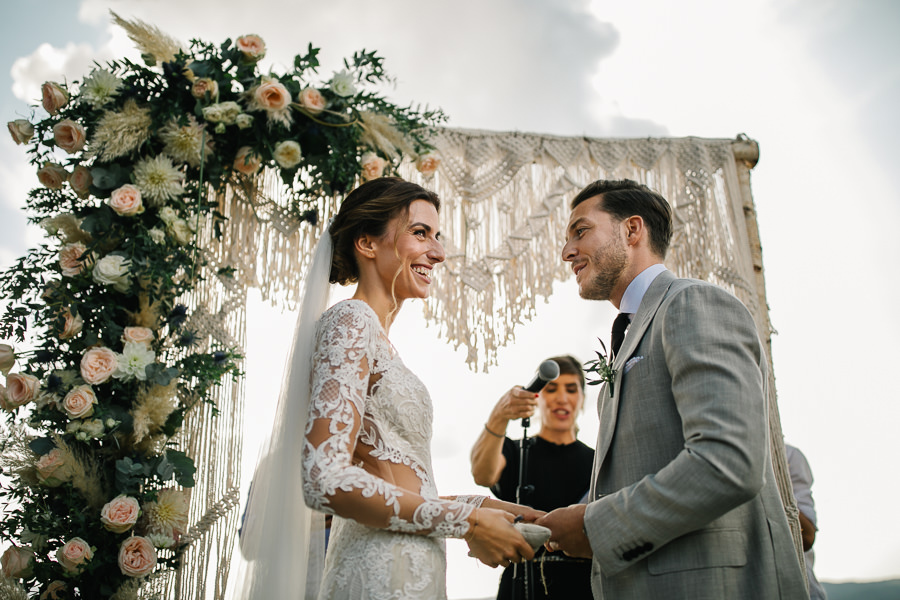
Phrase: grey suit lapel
x=609 y=405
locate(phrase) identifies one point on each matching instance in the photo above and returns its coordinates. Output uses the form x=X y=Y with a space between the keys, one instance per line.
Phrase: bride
x=365 y=457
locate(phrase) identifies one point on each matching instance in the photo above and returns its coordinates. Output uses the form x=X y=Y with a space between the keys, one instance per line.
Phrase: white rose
x=167 y=214
x=157 y=235
x=113 y=270
x=342 y=84
x=222 y=112
x=182 y=231
x=20 y=130
x=287 y=154
x=243 y=120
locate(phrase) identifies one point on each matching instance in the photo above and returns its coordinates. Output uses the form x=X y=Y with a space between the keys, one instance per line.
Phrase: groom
x=683 y=500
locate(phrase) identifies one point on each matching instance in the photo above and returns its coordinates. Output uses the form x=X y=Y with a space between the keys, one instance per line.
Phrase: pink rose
x=70 y=259
x=79 y=402
x=80 y=181
x=52 y=175
x=372 y=166
x=4 y=403
x=54 y=591
x=7 y=358
x=53 y=97
x=272 y=95
x=251 y=46
x=126 y=201
x=69 y=136
x=312 y=100
x=141 y=335
x=120 y=514
x=53 y=468
x=21 y=389
x=203 y=86
x=20 y=130
x=246 y=161
x=98 y=365
x=71 y=325
x=16 y=562
x=427 y=164
x=137 y=556
x=73 y=554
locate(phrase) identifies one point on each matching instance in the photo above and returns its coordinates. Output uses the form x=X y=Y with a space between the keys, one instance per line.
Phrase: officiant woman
x=558 y=468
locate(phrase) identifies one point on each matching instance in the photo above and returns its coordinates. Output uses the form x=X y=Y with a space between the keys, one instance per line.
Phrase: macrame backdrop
x=504 y=210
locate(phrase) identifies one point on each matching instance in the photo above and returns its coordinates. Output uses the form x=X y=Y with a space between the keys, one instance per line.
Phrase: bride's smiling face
x=409 y=250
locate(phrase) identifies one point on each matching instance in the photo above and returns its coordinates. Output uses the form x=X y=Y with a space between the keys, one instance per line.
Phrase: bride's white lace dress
x=367 y=456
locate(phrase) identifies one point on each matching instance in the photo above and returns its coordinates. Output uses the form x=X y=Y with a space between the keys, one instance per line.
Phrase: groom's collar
x=635 y=291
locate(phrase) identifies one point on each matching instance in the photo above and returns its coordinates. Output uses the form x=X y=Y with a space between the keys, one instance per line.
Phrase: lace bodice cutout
x=367 y=453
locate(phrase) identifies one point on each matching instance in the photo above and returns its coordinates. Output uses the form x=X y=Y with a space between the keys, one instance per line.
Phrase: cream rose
x=251 y=46
x=247 y=161
x=71 y=326
x=53 y=469
x=98 y=365
x=20 y=130
x=74 y=554
x=167 y=214
x=120 y=514
x=342 y=84
x=55 y=591
x=16 y=562
x=53 y=97
x=372 y=166
x=140 y=335
x=70 y=259
x=243 y=120
x=427 y=164
x=287 y=154
x=126 y=201
x=181 y=231
x=79 y=402
x=113 y=270
x=272 y=95
x=69 y=136
x=312 y=100
x=137 y=557
x=52 y=175
x=157 y=235
x=21 y=389
x=80 y=181
x=7 y=358
x=203 y=86
x=223 y=112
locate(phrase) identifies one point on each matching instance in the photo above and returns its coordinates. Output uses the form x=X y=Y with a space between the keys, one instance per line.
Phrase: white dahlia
x=158 y=179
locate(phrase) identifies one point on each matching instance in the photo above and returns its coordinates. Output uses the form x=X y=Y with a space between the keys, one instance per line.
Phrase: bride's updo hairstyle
x=367 y=210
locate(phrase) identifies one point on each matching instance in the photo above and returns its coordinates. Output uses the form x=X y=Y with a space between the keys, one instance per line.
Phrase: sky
x=815 y=82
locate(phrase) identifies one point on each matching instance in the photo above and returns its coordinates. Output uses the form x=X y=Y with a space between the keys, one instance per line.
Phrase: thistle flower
x=158 y=179
x=100 y=88
x=184 y=143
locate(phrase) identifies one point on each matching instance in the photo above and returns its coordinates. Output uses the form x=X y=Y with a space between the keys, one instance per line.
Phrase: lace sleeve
x=331 y=482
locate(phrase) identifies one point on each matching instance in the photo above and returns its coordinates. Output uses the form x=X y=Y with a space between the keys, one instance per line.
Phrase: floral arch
x=169 y=190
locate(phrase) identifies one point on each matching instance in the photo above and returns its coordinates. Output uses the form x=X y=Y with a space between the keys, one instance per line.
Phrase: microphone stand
x=522 y=578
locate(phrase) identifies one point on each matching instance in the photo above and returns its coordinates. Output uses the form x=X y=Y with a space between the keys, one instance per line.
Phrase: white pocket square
x=632 y=361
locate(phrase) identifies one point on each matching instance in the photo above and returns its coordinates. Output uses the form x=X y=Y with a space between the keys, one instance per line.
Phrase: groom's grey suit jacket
x=684 y=500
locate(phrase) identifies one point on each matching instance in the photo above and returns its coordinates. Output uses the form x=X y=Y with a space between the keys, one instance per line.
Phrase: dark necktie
x=618 y=332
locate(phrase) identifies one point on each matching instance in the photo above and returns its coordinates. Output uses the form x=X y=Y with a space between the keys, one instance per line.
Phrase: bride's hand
x=493 y=540
x=528 y=514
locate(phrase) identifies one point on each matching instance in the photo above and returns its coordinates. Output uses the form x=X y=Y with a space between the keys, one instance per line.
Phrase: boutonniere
x=602 y=367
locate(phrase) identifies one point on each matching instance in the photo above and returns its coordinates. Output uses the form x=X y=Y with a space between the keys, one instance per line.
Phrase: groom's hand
x=566 y=527
x=494 y=540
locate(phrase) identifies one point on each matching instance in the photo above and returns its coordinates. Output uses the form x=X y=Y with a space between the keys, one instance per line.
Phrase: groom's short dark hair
x=623 y=198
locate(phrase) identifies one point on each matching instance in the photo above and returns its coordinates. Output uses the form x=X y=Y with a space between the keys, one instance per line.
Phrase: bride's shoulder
x=349 y=313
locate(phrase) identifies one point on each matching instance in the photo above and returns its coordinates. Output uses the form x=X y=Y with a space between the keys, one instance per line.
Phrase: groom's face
x=596 y=248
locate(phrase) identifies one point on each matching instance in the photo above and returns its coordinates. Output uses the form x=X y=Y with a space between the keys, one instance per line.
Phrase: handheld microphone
x=547 y=372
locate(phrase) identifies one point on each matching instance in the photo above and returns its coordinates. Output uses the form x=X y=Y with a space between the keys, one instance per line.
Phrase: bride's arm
x=331 y=482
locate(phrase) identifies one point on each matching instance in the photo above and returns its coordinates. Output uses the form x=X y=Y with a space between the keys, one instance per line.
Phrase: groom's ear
x=635 y=230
